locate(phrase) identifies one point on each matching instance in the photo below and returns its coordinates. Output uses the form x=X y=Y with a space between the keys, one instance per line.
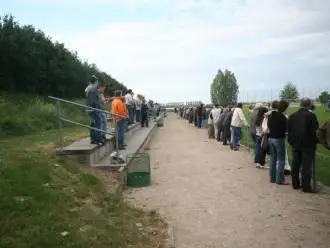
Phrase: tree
x=289 y=92
x=224 y=88
x=31 y=63
x=324 y=97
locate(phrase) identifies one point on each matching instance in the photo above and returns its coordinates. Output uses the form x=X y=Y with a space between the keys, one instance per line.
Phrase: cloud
x=175 y=56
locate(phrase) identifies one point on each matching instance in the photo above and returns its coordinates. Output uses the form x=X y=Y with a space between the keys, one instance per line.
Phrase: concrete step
x=86 y=153
x=135 y=143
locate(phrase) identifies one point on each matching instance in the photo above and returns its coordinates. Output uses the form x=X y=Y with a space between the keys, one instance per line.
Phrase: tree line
x=224 y=90
x=31 y=62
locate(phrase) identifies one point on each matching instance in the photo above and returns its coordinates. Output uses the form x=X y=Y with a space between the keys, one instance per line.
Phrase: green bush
x=22 y=114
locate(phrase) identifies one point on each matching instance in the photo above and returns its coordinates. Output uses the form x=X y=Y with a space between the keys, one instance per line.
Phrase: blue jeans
x=130 y=114
x=121 y=132
x=138 y=115
x=104 y=123
x=277 y=160
x=199 y=122
x=95 y=135
x=237 y=136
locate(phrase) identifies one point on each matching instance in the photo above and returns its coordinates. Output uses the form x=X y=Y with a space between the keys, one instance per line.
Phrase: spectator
x=226 y=125
x=118 y=108
x=104 y=122
x=200 y=111
x=144 y=114
x=216 y=111
x=210 y=125
x=259 y=154
x=302 y=127
x=277 y=126
x=138 y=105
x=130 y=105
x=221 y=124
x=238 y=120
x=93 y=100
x=252 y=128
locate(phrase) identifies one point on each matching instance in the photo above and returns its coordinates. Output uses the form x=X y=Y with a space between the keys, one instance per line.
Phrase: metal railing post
x=59 y=124
x=116 y=139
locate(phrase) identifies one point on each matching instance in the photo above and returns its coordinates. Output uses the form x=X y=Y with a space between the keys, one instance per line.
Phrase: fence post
x=117 y=135
x=59 y=123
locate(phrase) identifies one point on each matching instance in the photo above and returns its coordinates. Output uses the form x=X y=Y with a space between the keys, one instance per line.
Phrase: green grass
x=48 y=201
x=322 y=155
x=25 y=114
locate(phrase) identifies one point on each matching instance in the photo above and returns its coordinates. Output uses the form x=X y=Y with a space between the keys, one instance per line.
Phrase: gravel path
x=213 y=197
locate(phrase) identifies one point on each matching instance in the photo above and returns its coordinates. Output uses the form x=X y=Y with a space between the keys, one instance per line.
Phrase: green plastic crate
x=138 y=170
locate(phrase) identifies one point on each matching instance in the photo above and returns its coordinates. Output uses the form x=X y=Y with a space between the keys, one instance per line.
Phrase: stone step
x=86 y=153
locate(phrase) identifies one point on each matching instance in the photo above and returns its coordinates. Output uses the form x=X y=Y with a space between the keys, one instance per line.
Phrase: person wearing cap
x=93 y=100
x=118 y=108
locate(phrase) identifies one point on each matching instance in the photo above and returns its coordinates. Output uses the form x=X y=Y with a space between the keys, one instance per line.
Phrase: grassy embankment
x=48 y=201
x=322 y=155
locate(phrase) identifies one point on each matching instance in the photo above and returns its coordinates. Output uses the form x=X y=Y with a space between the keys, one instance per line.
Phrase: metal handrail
x=60 y=119
x=84 y=106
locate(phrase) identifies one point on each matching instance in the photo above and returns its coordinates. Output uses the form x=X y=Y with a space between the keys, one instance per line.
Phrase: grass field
x=322 y=155
x=48 y=201
x=26 y=114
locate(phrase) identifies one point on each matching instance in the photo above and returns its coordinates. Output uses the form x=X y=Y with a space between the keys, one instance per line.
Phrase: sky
x=170 y=50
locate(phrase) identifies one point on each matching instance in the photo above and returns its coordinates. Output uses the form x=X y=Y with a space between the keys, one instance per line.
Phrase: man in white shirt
x=138 y=104
x=129 y=104
x=215 y=112
x=237 y=122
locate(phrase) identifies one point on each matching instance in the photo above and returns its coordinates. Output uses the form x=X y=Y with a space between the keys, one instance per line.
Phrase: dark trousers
x=305 y=159
x=260 y=154
x=144 y=121
x=95 y=135
x=226 y=135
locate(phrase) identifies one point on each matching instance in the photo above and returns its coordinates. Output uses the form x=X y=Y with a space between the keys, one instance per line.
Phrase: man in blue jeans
x=118 y=108
x=93 y=100
x=237 y=121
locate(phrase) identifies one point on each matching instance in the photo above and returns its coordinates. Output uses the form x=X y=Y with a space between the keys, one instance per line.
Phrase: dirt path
x=214 y=197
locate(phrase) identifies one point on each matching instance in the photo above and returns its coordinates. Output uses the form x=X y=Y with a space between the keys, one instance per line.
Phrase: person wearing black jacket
x=226 y=126
x=302 y=126
x=144 y=114
x=277 y=125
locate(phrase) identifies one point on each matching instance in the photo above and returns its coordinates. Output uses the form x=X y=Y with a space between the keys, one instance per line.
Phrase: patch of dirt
x=213 y=197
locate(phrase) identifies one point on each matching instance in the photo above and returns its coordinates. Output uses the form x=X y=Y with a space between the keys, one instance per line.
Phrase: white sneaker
x=258 y=165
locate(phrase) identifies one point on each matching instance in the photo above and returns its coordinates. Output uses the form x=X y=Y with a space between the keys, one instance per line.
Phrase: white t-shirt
x=238 y=119
x=216 y=114
x=128 y=99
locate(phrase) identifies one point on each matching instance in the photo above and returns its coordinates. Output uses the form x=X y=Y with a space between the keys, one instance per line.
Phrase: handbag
x=264 y=142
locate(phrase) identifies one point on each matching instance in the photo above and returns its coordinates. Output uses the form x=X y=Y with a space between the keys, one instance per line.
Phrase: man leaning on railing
x=118 y=108
x=93 y=100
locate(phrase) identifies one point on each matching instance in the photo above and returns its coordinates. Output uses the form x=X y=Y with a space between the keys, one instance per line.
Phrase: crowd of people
x=269 y=128
x=125 y=110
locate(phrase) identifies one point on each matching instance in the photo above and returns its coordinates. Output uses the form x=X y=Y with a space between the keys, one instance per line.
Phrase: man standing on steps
x=93 y=99
x=104 y=121
x=129 y=104
x=118 y=108
x=302 y=126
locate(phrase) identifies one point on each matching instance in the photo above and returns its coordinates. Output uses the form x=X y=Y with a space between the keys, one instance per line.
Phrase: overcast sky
x=170 y=50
